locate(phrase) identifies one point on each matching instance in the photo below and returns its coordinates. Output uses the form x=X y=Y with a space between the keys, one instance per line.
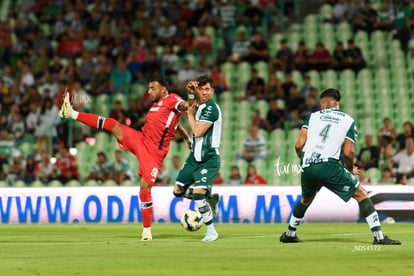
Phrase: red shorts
x=149 y=157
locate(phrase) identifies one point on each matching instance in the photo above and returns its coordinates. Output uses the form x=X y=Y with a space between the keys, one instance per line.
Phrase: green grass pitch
x=243 y=249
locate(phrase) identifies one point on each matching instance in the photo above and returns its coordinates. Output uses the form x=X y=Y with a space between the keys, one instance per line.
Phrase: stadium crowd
x=102 y=47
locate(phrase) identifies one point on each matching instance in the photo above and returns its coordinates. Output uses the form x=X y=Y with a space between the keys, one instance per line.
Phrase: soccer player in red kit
x=150 y=145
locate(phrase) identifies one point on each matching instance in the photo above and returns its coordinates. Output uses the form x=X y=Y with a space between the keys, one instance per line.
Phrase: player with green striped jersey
x=203 y=163
x=324 y=135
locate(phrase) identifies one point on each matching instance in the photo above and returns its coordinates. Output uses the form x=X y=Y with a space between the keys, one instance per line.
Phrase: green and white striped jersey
x=327 y=131
x=209 y=143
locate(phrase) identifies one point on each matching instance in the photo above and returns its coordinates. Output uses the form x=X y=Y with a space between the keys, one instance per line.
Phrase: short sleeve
x=352 y=133
x=209 y=114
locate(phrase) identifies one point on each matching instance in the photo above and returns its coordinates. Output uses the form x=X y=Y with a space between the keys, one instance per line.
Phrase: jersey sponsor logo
x=204 y=171
x=345 y=188
x=160 y=103
x=154 y=172
x=204 y=179
x=154 y=109
x=327 y=118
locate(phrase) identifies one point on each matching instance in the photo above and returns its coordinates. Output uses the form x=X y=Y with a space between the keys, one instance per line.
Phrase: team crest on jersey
x=154 y=172
x=204 y=171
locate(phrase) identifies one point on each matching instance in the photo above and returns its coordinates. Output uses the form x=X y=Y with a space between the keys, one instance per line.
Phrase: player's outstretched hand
x=356 y=171
x=191 y=87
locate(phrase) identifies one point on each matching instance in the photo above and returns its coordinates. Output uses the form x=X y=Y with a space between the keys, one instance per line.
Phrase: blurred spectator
x=120 y=170
x=386 y=138
x=407 y=133
x=66 y=166
x=255 y=87
x=339 y=57
x=366 y=20
x=402 y=22
x=6 y=148
x=369 y=155
x=162 y=176
x=27 y=78
x=301 y=58
x=320 y=58
x=86 y=68
x=100 y=170
x=284 y=58
x=386 y=177
x=100 y=81
x=310 y=106
x=30 y=171
x=134 y=115
x=235 y=177
x=254 y=146
x=32 y=119
x=385 y=17
x=354 y=56
x=48 y=82
x=293 y=103
x=226 y=15
x=120 y=77
x=218 y=179
x=258 y=50
x=339 y=12
x=363 y=178
x=174 y=170
x=252 y=15
x=275 y=117
x=15 y=171
x=287 y=84
x=219 y=80
x=7 y=78
x=169 y=61
x=273 y=88
x=166 y=32
x=240 y=47
x=405 y=161
x=253 y=178
x=118 y=112
x=40 y=62
x=203 y=43
x=202 y=70
x=46 y=129
x=186 y=74
x=45 y=170
x=18 y=126
x=136 y=56
x=307 y=87
x=257 y=120
x=186 y=42
x=150 y=67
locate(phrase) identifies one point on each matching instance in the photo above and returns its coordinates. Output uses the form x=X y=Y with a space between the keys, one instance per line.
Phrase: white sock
x=204 y=209
x=211 y=228
x=147 y=229
x=75 y=114
x=373 y=221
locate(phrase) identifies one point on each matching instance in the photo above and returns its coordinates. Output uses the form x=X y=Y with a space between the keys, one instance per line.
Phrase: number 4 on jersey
x=324 y=133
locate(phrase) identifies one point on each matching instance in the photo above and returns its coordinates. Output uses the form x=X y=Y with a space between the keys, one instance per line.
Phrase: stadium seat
x=109 y=183
x=37 y=183
x=19 y=183
x=55 y=183
x=3 y=184
x=73 y=183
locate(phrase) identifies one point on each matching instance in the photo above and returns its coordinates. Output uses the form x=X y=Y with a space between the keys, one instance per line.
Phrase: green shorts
x=202 y=174
x=333 y=176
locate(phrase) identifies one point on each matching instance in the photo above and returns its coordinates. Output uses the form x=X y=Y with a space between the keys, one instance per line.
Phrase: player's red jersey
x=161 y=121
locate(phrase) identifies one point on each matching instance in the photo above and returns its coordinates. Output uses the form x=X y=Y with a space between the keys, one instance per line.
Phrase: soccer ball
x=192 y=220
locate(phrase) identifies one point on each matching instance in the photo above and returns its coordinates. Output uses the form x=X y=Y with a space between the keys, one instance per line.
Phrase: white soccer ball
x=191 y=220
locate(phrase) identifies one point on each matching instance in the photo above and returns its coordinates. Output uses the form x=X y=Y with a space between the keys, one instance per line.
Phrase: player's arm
x=184 y=134
x=200 y=128
x=300 y=142
x=348 y=150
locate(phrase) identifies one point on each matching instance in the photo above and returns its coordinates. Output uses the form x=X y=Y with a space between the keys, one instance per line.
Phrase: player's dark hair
x=203 y=80
x=160 y=79
x=331 y=93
